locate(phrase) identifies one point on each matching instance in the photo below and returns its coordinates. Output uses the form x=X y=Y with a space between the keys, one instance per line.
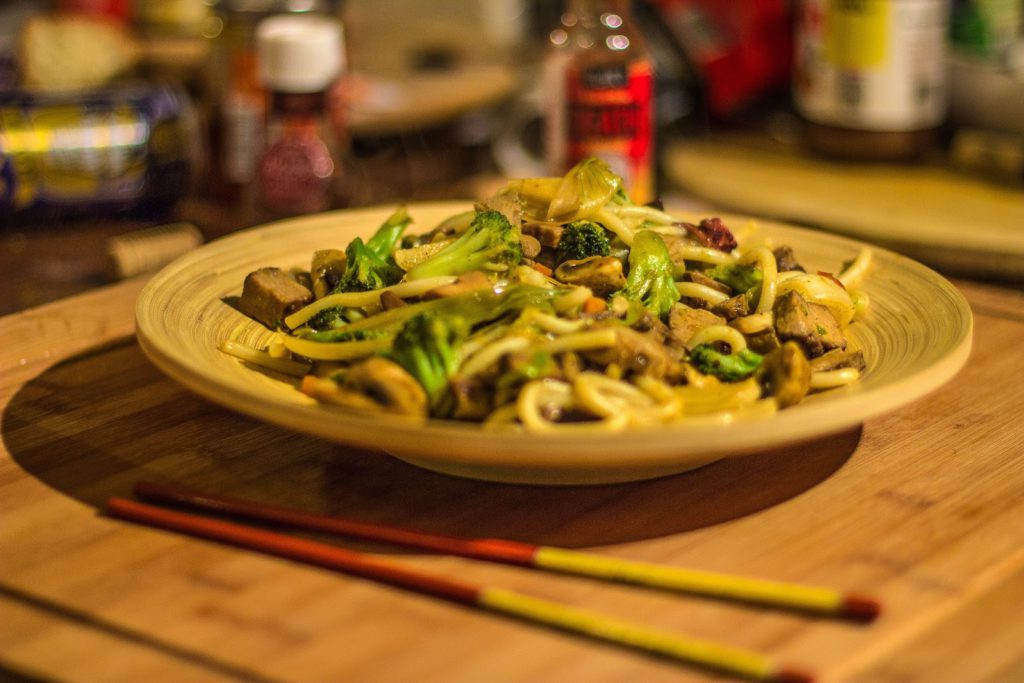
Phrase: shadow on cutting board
x=93 y=425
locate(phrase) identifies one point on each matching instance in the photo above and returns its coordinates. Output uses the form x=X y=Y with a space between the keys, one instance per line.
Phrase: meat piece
x=676 y=245
x=602 y=274
x=637 y=353
x=467 y=282
x=785 y=260
x=684 y=322
x=733 y=307
x=548 y=234
x=839 y=359
x=762 y=341
x=507 y=203
x=531 y=246
x=700 y=278
x=326 y=271
x=270 y=294
x=809 y=324
x=712 y=232
x=652 y=326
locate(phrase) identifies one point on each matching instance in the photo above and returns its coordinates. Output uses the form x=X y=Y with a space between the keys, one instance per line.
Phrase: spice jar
x=870 y=76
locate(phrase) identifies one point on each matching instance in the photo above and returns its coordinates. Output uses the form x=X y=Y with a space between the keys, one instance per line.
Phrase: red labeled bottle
x=599 y=94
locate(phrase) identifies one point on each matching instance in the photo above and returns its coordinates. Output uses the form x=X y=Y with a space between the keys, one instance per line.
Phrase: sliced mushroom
x=376 y=384
x=785 y=374
x=327 y=268
x=602 y=274
x=531 y=246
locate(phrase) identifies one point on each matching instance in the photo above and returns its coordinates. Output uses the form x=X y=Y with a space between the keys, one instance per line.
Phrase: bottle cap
x=300 y=53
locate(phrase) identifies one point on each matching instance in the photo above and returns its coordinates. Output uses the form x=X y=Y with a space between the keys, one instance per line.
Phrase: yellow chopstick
x=809 y=599
x=732 y=660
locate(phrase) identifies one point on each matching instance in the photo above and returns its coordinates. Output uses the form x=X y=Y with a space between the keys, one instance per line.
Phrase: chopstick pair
x=725 y=658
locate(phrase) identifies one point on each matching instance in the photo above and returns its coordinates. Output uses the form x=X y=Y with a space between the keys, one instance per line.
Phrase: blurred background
x=134 y=130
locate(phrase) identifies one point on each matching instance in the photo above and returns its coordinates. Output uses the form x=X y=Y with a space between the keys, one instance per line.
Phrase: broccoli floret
x=343 y=335
x=490 y=243
x=368 y=265
x=581 y=240
x=728 y=367
x=364 y=270
x=650 y=274
x=334 y=317
x=386 y=238
x=740 y=278
x=429 y=348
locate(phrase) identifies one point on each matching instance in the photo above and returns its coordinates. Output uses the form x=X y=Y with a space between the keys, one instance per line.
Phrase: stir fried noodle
x=558 y=304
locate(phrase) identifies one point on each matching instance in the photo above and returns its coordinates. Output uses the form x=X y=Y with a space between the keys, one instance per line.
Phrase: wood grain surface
x=923 y=507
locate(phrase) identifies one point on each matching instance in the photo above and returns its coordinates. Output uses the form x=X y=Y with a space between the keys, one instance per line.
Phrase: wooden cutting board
x=956 y=223
x=923 y=507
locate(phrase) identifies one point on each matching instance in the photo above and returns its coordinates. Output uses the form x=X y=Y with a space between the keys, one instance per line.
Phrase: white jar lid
x=299 y=53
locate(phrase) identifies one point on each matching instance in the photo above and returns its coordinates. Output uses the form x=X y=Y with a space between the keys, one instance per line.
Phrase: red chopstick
x=704 y=653
x=802 y=598
x=496 y=550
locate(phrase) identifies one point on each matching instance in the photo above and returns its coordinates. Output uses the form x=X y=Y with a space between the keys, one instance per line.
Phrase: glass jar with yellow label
x=870 y=75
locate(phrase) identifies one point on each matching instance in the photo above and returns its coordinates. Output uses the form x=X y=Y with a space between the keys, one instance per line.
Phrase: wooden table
x=924 y=507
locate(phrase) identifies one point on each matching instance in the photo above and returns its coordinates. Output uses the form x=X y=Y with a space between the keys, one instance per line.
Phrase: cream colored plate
x=916 y=337
x=950 y=221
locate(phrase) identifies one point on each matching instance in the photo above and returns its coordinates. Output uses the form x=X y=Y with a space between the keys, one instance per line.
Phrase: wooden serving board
x=957 y=223
x=923 y=507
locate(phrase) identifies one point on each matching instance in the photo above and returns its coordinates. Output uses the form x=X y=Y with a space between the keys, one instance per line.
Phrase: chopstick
x=724 y=658
x=797 y=597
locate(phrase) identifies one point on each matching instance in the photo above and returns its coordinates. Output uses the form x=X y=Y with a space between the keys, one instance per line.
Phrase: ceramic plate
x=955 y=222
x=916 y=336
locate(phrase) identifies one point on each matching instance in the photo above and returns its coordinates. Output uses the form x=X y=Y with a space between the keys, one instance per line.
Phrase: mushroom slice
x=326 y=271
x=602 y=274
x=376 y=384
x=785 y=374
